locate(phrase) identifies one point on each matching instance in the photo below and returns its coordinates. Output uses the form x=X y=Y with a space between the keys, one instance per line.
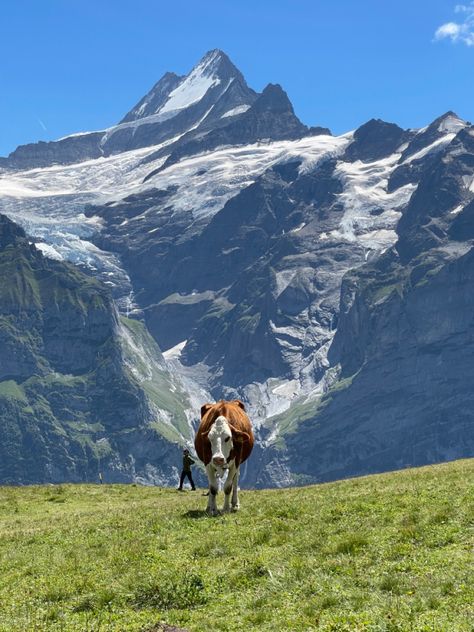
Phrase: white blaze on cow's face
x=220 y=437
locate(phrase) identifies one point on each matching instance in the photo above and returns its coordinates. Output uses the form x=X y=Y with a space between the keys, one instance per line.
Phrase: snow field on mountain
x=192 y=89
x=371 y=213
x=211 y=179
x=49 y=202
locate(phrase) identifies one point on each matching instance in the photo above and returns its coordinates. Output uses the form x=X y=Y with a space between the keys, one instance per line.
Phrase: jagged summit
x=209 y=107
x=173 y=93
x=218 y=62
x=441 y=130
x=274 y=98
x=449 y=119
x=376 y=139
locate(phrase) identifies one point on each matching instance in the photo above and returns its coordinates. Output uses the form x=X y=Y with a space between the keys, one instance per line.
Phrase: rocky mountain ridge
x=266 y=258
x=185 y=114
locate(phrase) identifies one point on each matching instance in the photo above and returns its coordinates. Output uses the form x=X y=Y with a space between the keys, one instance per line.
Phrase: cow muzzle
x=218 y=461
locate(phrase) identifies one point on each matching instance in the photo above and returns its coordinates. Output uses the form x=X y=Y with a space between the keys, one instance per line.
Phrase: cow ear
x=204 y=409
x=239 y=404
x=238 y=435
x=241 y=437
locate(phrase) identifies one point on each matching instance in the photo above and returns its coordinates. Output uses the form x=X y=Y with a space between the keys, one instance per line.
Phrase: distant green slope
x=81 y=391
x=386 y=553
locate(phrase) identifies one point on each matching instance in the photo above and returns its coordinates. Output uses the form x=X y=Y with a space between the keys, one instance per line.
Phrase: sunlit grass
x=384 y=553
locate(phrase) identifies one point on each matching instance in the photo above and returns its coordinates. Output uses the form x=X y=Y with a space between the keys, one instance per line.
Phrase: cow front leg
x=213 y=489
x=235 y=491
x=228 y=487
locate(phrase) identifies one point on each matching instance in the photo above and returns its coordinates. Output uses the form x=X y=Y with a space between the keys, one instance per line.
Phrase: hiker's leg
x=190 y=477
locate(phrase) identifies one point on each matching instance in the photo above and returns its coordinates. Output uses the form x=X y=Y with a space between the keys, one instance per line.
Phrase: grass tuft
x=171 y=592
x=351 y=545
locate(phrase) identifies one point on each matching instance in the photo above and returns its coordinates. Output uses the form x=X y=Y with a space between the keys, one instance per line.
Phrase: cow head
x=220 y=436
x=223 y=437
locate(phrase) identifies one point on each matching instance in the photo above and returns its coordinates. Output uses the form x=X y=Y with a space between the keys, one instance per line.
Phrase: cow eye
x=226 y=439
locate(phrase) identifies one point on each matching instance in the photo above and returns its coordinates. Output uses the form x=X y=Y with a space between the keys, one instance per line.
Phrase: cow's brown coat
x=241 y=428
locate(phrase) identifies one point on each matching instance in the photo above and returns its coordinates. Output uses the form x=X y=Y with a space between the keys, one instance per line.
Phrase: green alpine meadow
x=383 y=553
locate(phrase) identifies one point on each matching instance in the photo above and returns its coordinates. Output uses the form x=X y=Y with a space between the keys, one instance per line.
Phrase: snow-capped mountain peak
x=174 y=107
x=451 y=123
x=154 y=100
x=173 y=93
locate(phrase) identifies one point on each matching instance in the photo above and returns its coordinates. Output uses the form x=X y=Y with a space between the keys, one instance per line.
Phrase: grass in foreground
x=384 y=553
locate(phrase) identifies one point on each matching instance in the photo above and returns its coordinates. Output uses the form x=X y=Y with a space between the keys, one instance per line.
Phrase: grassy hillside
x=382 y=554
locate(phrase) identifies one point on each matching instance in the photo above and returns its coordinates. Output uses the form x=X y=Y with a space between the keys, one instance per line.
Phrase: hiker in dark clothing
x=186 y=472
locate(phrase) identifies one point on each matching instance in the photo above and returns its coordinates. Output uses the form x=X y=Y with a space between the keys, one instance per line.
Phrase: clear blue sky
x=75 y=65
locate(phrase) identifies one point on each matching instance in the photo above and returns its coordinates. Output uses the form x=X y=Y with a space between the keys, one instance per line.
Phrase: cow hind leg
x=235 y=491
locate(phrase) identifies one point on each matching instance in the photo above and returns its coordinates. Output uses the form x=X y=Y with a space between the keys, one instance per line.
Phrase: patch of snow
x=78 y=134
x=142 y=108
x=379 y=237
x=298 y=228
x=456 y=210
x=370 y=212
x=49 y=251
x=240 y=109
x=287 y=389
x=192 y=88
x=174 y=352
x=437 y=145
x=451 y=124
x=468 y=182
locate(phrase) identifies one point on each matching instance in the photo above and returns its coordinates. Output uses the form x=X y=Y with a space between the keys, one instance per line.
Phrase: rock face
x=375 y=140
x=271 y=116
x=323 y=280
x=69 y=407
x=64 y=152
x=404 y=341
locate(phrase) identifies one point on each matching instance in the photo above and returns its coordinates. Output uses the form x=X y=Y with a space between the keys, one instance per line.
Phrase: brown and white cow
x=223 y=441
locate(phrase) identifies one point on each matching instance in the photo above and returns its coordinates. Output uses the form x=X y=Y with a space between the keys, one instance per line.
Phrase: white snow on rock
x=76 y=134
x=175 y=352
x=211 y=179
x=451 y=124
x=49 y=202
x=240 y=109
x=135 y=124
x=193 y=87
x=437 y=145
x=371 y=213
x=49 y=251
x=456 y=210
x=468 y=182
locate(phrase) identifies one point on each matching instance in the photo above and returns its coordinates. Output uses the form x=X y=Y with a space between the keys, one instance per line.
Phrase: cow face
x=220 y=436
